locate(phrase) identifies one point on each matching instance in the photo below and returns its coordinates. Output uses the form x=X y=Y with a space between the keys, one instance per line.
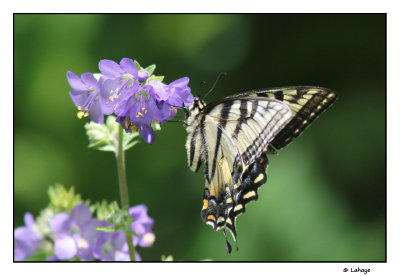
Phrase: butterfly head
x=191 y=111
x=198 y=103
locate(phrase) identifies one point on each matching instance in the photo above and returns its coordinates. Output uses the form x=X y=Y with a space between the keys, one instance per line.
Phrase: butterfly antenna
x=202 y=87
x=220 y=75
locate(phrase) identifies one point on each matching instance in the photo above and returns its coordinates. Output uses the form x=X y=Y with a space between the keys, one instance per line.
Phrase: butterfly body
x=232 y=137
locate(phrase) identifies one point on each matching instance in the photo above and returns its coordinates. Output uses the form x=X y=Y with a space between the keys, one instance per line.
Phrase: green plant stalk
x=123 y=187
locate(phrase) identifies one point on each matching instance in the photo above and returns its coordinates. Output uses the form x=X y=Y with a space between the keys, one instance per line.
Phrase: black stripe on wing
x=224 y=117
x=306 y=102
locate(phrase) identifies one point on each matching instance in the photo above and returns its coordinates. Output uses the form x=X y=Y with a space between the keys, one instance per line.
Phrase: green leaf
x=106 y=229
x=103 y=137
x=61 y=199
x=150 y=69
x=155 y=78
x=138 y=67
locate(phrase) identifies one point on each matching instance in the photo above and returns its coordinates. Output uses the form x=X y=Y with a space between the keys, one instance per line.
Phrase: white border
x=206 y=6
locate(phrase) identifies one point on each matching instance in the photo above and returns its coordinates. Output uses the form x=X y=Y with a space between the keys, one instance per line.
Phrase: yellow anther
x=86 y=114
x=82 y=243
x=86 y=108
x=127 y=123
x=112 y=91
x=116 y=96
x=137 y=116
x=143 y=108
x=80 y=114
x=111 y=98
x=79 y=107
x=145 y=111
x=140 y=114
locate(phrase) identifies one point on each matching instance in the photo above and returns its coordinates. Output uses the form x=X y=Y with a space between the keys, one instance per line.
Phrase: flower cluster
x=131 y=92
x=74 y=236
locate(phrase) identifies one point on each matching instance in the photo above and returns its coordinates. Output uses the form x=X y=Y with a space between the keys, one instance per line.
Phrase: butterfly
x=232 y=137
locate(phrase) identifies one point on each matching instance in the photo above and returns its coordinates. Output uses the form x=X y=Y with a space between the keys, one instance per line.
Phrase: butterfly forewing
x=306 y=103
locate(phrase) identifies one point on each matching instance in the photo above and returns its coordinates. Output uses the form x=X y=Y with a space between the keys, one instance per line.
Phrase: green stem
x=123 y=187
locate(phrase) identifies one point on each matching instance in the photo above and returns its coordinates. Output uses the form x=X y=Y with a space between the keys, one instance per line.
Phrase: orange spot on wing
x=211 y=217
x=205 y=204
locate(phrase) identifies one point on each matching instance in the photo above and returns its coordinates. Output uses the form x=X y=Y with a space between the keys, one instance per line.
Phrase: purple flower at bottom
x=142 y=226
x=76 y=233
x=85 y=95
x=26 y=238
x=113 y=247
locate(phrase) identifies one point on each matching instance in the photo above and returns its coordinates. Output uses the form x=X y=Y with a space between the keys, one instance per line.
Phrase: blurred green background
x=325 y=198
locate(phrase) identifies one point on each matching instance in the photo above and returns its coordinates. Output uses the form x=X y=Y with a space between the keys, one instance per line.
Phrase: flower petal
x=79 y=97
x=65 y=247
x=29 y=220
x=129 y=66
x=95 y=112
x=60 y=223
x=90 y=80
x=110 y=68
x=147 y=134
x=118 y=240
x=182 y=82
x=81 y=214
x=107 y=89
x=75 y=81
x=158 y=91
x=138 y=211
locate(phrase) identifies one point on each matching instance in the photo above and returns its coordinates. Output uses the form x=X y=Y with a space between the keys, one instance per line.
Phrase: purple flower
x=142 y=226
x=143 y=75
x=179 y=93
x=117 y=81
x=76 y=233
x=139 y=109
x=113 y=247
x=26 y=238
x=85 y=95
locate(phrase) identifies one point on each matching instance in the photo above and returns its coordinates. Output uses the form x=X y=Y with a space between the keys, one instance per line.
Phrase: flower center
x=141 y=93
x=129 y=125
x=141 y=113
x=82 y=113
x=82 y=243
x=149 y=238
x=114 y=94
